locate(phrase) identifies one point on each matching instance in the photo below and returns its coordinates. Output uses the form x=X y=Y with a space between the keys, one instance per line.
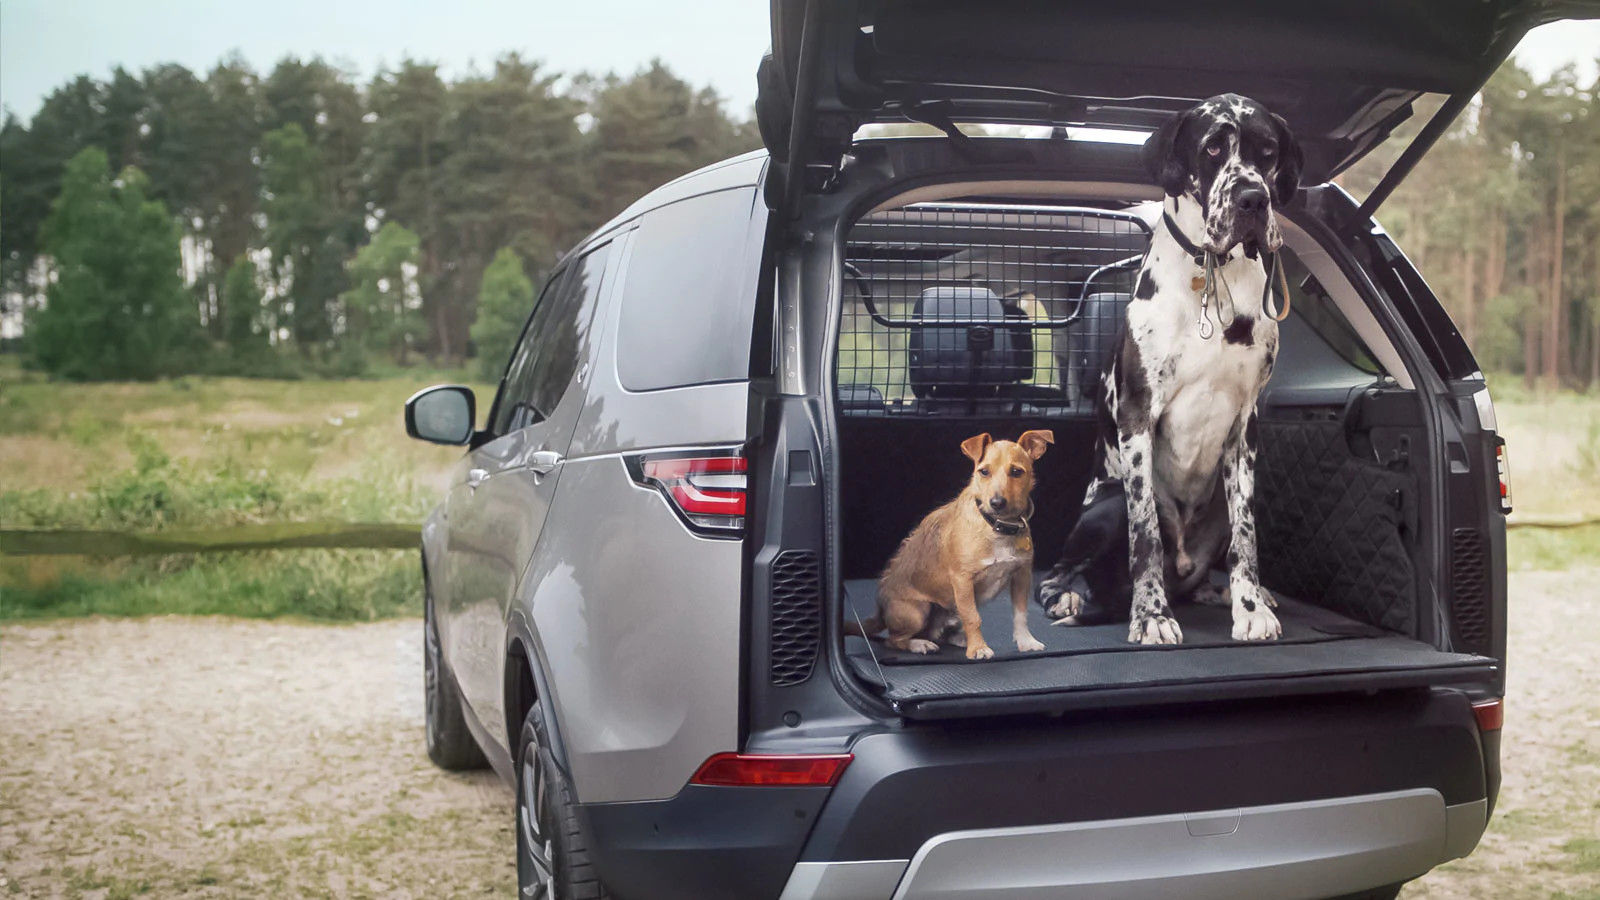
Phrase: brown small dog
x=964 y=552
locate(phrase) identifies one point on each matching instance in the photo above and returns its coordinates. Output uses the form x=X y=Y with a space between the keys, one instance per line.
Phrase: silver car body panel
x=638 y=624
x=854 y=880
x=638 y=621
x=1294 y=850
x=496 y=512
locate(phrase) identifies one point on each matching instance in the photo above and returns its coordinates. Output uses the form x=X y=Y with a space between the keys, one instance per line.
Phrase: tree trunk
x=1531 y=319
x=1553 y=331
x=1469 y=293
x=1594 y=327
x=1594 y=349
x=441 y=331
x=1494 y=258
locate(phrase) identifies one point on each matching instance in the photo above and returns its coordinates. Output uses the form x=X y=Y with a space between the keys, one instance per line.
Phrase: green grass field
x=217 y=452
x=211 y=453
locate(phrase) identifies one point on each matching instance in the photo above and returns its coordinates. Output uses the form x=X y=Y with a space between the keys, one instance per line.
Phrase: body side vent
x=796 y=616
x=1469 y=589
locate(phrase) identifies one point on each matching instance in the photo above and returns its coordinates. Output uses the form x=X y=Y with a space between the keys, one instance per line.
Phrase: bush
x=504 y=302
x=117 y=308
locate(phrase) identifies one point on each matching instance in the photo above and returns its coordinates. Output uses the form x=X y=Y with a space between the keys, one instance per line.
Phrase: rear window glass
x=1317 y=309
x=688 y=302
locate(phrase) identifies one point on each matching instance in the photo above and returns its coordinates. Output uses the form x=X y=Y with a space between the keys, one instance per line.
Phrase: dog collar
x=1207 y=263
x=1188 y=246
x=1009 y=528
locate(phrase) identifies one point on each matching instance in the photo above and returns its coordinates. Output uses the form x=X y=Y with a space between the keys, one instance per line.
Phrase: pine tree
x=117 y=309
x=244 y=329
x=504 y=302
x=380 y=309
x=306 y=254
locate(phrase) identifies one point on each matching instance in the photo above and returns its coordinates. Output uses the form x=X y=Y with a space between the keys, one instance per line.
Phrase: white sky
x=44 y=43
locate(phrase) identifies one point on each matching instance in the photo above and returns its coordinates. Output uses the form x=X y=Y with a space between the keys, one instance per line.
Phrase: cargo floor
x=1080 y=660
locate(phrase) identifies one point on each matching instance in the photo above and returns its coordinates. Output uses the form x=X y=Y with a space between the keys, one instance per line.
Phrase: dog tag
x=1025 y=544
x=1197 y=282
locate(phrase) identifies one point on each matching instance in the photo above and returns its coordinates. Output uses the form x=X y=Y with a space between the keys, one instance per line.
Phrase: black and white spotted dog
x=1174 y=477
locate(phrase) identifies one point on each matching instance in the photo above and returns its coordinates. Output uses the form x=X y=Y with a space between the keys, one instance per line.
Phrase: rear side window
x=1318 y=310
x=688 y=304
x=555 y=339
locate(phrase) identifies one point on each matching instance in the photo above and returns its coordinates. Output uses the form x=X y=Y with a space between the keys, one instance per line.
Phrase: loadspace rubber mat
x=1093 y=657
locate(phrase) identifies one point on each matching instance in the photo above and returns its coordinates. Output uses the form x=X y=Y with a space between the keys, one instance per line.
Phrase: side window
x=556 y=338
x=515 y=382
x=688 y=305
x=1318 y=310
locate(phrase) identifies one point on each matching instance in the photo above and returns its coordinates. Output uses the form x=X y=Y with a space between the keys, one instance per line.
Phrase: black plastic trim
x=1224 y=688
x=706 y=843
x=906 y=786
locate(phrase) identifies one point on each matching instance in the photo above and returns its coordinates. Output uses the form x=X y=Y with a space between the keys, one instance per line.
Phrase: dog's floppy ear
x=974 y=446
x=1035 y=442
x=1167 y=167
x=1290 y=160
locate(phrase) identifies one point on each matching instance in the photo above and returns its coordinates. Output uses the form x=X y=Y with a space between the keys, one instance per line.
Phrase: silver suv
x=732 y=401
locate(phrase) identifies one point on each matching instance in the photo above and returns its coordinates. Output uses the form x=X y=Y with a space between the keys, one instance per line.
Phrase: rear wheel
x=450 y=744
x=552 y=857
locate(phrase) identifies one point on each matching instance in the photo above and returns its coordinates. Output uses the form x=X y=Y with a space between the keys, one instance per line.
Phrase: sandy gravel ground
x=217 y=757
x=213 y=757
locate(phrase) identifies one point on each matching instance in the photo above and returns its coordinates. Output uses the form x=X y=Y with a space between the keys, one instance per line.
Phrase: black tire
x=450 y=745
x=552 y=855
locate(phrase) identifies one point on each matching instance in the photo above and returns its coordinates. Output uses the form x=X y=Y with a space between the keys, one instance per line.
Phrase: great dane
x=1174 y=476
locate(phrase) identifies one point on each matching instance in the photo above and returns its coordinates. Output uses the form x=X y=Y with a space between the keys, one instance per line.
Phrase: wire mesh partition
x=961 y=309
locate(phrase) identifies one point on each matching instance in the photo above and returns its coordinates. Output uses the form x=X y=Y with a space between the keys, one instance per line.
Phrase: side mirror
x=442 y=414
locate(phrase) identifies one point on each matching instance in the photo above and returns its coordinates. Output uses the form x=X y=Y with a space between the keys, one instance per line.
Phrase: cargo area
x=969 y=316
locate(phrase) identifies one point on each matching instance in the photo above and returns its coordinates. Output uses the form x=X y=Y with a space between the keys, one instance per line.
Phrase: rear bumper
x=1317 y=796
x=1314 y=849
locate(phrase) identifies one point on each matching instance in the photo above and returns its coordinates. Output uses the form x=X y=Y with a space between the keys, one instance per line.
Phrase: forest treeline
x=1502 y=218
x=313 y=221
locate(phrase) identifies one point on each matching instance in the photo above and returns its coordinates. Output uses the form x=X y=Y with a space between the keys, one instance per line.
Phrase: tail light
x=1491 y=714
x=749 y=770
x=1488 y=421
x=1502 y=468
x=707 y=489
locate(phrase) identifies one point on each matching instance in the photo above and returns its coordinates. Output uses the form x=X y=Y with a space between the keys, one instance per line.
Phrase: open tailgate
x=1343 y=74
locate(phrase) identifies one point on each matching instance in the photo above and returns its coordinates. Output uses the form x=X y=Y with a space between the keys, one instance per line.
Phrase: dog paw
x=1155 y=630
x=1255 y=621
x=918 y=645
x=1027 y=643
x=981 y=651
x=1067 y=603
x=1211 y=595
x=1266 y=596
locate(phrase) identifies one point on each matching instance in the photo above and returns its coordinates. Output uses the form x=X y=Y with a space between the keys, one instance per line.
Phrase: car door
x=499 y=506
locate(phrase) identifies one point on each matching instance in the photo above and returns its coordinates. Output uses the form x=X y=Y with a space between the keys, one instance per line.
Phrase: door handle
x=476 y=477
x=544 y=461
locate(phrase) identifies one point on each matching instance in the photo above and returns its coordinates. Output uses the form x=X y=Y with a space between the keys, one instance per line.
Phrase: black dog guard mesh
x=969 y=309
x=968 y=317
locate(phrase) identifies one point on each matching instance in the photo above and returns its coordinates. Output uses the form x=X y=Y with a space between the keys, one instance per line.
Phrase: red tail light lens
x=741 y=770
x=1491 y=714
x=707 y=490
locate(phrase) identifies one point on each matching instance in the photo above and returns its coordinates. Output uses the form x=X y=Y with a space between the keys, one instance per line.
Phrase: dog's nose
x=997 y=502
x=1252 y=200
